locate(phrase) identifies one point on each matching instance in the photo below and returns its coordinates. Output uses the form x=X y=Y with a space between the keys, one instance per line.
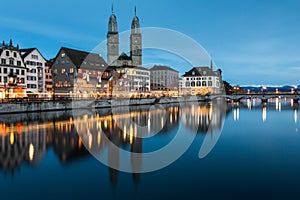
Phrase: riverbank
x=46 y=106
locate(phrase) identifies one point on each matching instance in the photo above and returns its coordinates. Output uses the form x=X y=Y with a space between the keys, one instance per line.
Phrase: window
x=0 y=79
x=22 y=72
x=198 y=83
x=209 y=83
x=187 y=79
x=11 y=61
x=19 y=63
x=187 y=84
x=55 y=71
x=3 y=61
x=34 y=57
x=15 y=54
x=71 y=70
x=63 y=55
x=7 y=53
x=63 y=70
x=193 y=84
x=11 y=71
x=5 y=70
x=17 y=71
x=0 y=70
x=204 y=83
x=5 y=79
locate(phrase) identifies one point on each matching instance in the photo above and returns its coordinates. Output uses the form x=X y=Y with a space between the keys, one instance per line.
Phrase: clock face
x=136 y=40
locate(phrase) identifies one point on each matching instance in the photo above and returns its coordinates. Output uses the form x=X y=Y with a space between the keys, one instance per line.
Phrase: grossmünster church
x=113 y=56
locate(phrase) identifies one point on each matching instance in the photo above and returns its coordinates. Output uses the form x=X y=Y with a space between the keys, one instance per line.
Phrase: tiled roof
x=85 y=59
x=200 y=71
x=162 y=67
x=124 y=56
x=26 y=52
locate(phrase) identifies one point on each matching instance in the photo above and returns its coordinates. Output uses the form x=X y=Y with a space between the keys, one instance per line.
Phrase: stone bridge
x=264 y=97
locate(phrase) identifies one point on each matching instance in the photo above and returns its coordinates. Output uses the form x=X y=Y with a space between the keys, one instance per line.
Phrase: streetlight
x=264 y=88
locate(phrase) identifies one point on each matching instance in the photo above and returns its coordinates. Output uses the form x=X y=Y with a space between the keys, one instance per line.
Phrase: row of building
x=25 y=72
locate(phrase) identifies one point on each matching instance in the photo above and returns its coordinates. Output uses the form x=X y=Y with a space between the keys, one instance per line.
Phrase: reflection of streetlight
x=295 y=89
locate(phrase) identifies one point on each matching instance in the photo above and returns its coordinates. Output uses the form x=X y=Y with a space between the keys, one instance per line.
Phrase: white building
x=35 y=64
x=135 y=78
x=201 y=80
x=12 y=72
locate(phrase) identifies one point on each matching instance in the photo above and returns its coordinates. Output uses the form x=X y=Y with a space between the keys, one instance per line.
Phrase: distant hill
x=285 y=88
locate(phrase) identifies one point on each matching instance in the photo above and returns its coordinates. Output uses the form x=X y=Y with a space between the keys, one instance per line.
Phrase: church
x=134 y=76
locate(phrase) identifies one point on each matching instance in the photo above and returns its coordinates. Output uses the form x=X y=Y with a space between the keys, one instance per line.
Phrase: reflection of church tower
x=136 y=41
x=112 y=39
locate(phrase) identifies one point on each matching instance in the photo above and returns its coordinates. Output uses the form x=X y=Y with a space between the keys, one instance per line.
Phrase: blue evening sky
x=252 y=41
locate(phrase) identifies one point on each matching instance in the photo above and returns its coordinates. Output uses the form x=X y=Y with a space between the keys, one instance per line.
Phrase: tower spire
x=211 y=62
x=134 y=10
x=112 y=8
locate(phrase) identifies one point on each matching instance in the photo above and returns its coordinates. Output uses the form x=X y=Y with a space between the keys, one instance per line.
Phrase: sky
x=254 y=42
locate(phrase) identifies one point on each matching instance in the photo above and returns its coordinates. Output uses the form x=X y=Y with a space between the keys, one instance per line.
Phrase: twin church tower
x=135 y=58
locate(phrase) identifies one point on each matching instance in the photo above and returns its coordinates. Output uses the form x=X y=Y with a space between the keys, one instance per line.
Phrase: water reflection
x=276 y=104
x=26 y=138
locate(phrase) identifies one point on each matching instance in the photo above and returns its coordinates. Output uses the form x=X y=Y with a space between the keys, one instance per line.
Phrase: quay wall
x=47 y=106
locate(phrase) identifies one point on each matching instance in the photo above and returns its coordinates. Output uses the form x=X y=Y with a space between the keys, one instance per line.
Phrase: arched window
x=193 y=83
x=187 y=84
x=198 y=83
x=203 y=83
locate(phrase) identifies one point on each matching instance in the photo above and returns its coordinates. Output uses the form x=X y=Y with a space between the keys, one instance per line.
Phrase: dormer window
x=63 y=55
x=7 y=53
x=193 y=73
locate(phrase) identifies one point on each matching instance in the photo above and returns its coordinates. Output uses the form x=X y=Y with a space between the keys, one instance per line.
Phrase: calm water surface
x=257 y=154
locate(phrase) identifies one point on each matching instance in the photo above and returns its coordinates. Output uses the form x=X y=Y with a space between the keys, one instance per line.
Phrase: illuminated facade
x=134 y=77
x=79 y=73
x=48 y=76
x=12 y=72
x=35 y=66
x=201 y=80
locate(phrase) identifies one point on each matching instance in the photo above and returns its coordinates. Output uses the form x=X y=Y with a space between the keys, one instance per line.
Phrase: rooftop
x=162 y=67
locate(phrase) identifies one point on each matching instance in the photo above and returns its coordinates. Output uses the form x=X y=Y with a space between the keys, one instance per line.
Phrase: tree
x=228 y=87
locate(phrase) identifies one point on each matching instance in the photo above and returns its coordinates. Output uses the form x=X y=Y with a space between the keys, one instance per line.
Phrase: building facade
x=48 y=76
x=35 y=76
x=133 y=79
x=131 y=75
x=12 y=72
x=200 y=81
x=79 y=73
x=164 y=78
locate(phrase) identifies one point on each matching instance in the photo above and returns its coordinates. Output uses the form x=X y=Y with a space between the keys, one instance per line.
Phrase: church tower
x=136 y=41
x=112 y=39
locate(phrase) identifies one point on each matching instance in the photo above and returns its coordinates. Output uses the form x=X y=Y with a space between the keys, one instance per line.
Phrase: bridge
x=263 y=96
